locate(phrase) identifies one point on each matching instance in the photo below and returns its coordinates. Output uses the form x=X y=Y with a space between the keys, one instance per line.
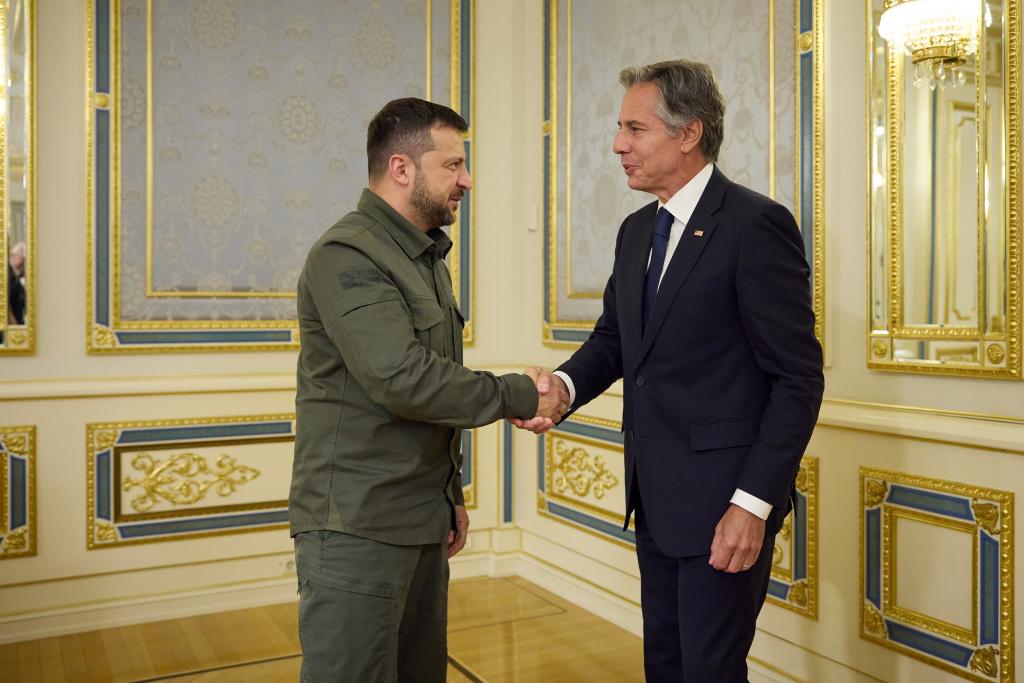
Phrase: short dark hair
x=403 y=127
x=688 y=91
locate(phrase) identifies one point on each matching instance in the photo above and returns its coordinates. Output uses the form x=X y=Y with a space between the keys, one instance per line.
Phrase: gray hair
x=688 y=91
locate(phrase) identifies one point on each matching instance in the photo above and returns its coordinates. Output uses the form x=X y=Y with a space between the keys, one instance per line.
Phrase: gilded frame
x=985 y=651
x=107 y=527
x=583 y=431
x=809 y=160
x=999 y=354
x=20 y=340
x=796 y=587
x=105 y=331
x=18 y=521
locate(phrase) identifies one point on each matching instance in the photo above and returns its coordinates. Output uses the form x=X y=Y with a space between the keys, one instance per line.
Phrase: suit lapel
x=687 y=252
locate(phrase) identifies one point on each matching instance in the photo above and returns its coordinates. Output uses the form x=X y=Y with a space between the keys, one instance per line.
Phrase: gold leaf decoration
x=575 y=468
x=104 y=439
x=984 y=661
x=787 y=528
x=15 y=443
x=185 y=478
x=798 y=593
x=105 y=532
x=17 y=338
x=14 y=541
x=987 y=515
x=103 y=337
x=873 y=621
x=995 y=353
x=801 y=479
x=776 y=555
x=879 y=348
x=874 y=492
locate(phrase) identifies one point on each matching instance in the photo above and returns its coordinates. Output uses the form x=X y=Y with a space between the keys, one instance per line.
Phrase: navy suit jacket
x=722 y=389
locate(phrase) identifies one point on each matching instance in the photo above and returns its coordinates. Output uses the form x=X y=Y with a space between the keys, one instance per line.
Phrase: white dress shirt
x=681 y=206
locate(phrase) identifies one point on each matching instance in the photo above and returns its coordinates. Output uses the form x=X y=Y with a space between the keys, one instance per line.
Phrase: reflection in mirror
x=940 y=241
x=16 y=179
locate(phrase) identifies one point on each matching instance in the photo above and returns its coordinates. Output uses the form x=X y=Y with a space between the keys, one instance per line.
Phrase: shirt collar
x=684 y=201
x=413 y=241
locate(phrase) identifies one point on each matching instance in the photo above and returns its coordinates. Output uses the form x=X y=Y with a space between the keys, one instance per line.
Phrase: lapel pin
x=698 y=233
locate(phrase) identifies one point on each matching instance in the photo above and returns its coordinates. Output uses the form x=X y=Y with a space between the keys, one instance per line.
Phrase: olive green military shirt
x=382 y=395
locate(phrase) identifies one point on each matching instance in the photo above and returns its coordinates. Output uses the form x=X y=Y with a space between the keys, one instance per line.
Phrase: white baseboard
x=114 y=613
x=604 y=604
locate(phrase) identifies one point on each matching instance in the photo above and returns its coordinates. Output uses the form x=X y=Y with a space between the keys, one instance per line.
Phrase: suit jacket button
x=640 y=381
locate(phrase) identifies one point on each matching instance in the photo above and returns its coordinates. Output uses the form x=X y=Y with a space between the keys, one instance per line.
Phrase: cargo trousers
x=369 y=611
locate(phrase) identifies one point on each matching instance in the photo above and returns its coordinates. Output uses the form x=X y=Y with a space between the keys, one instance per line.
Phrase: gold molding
x=812 y=40
x=871 y=619
x=19 y=441
x=803 y=594
x=101 y=339
x=890 y=583
x=101 y=436
x=895 y=329
x=20 y=340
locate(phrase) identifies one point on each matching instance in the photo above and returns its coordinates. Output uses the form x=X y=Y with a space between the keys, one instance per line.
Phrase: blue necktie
x=659 y=247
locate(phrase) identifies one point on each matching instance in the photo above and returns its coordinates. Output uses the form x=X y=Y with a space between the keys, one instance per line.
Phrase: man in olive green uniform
x=376 y=504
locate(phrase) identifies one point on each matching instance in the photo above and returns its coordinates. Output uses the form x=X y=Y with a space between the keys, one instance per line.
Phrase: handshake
x=553 y=401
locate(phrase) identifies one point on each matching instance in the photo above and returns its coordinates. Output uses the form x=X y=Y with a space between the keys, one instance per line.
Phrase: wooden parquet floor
x=503 y=630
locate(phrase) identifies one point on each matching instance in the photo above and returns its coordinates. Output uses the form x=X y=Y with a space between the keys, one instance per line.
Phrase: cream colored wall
x=61 y=389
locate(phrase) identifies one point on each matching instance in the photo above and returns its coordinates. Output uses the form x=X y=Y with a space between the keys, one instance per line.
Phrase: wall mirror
x=944 y=187
x=17 y=176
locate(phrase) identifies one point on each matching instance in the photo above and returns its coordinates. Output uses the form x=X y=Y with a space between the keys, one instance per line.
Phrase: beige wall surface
x=927 y=435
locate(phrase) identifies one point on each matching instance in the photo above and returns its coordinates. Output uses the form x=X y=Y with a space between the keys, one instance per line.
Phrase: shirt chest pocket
x=427 y=319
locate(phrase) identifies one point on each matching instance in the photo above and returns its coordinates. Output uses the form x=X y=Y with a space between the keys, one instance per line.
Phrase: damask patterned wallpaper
x=255 y=140
x=733 y=36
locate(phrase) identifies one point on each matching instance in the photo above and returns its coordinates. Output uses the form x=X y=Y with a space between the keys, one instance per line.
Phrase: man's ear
x=400 y=168
x=690 y=135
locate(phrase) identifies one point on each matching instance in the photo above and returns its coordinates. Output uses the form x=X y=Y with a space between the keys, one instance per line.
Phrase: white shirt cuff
x=568 y=385
x=751 y=504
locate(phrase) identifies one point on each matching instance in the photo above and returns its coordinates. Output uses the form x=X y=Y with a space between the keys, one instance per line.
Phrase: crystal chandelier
x=938 y=35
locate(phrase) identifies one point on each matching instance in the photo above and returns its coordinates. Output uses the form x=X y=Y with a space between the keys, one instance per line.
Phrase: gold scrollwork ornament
x=104 y=439
x=582 y=472
x=14 y=541
x=105 y=532
x=873 y=621
x=798 y=593
x=15 y=443
x=987 y=515
x=879 y=348
x=185 y=478
x=984 y=661
x=776 y=555
x=874 y=492
x=103 y=337
x=787 y=528
x=17 y=339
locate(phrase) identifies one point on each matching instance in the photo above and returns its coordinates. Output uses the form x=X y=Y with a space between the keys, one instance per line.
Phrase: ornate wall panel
x=17 y=492
x=937 y=572
x=226 y=136
x=794 y=580
x=767 y=57
x=171 y=479
x=580 y=477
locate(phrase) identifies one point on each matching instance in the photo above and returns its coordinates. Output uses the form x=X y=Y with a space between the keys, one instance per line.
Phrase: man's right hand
x=553 y=401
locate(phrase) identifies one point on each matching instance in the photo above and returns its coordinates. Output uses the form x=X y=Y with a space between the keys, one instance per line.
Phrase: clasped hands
x=553 y=401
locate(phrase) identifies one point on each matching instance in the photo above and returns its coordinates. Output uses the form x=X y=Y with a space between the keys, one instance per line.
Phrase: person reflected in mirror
x=708 y=321
x=16 y=296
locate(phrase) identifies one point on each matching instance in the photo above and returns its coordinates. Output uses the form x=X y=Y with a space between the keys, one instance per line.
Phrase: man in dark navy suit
x=708 y=320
